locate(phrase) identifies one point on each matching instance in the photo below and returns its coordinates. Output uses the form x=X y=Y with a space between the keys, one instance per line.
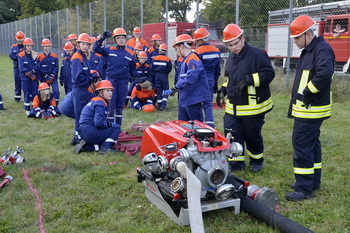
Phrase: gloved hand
x=241 y=85
x=308 y=98
x=220 y=96
x=31 y=75
x=95 y=75
x=170 y=92
x=115 y=125
x=106 y=35
x=50 y=79
x=138 y=87
x=51 y=109
x=215 y=90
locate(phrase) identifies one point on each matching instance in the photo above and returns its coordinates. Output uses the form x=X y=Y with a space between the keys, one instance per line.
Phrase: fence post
x=122 y=13
x=67 y=21
x=166 y=21
x=90 y=17
x=104 y=16
x=50 y=26
x=141 y=13
x=78 y=22
x=58 y=33
x=289 y=51
x=237 y=12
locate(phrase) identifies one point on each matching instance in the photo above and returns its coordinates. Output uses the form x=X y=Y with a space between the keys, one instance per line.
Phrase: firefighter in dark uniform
x=310 y=105
x=249 y=73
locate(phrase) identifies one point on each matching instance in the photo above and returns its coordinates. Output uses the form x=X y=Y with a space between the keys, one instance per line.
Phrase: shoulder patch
x=129 y=51
x=54 y=55
x=22 y=54
x=77 y=55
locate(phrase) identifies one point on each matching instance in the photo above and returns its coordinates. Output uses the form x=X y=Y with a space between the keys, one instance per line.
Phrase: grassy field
x=84 y=193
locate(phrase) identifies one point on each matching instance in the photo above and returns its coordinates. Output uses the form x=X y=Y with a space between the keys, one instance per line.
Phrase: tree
x=9 y=10
x=178 y=9
x=37 y=7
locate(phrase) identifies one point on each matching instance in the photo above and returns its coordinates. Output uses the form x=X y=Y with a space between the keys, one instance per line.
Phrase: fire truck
x=176 y=29
x=332 y=22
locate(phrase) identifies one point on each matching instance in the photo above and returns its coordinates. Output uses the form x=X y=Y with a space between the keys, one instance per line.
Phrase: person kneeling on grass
x=142 y=97
x=96 y=132
x=44 y=105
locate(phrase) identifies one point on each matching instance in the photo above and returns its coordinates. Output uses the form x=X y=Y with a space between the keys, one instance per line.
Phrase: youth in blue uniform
x=153 y=51
x=29 y=80
x=143 y=95
x=249 y=73
x=192 y=84
x=47 y=67
x=96 y=131
x=81 y=79
x=160 y=69
x=310 y=104
x=65 y=74
x=210 y=56
x=120 y=66
x=13 y=54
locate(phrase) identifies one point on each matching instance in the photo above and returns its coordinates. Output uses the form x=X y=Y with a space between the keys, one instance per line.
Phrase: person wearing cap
x=141 y=73
x=13 y=54
x=47 y=67
x=192 y=85
x=136 y=39
x=310 y=104
x=27 y=73
x=153 y=51
x=210 y=56
x=249 y=73
x=65 y=74
x=142 y=97
x=82 y=78
x=160 y=69
x=97 y=133
x=120 y=66
x=44 y=104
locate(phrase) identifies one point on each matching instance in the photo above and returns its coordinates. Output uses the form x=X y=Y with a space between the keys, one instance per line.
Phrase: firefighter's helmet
x=183 y=38
x=156 y=37
x=163 y=47
x=300 y=25
x=72 y=37
x=20 y=36
x=45 y=42
x=84 y=37
x=43 y=86
x=142 y=54
x=148 y=108
x=231 y=32
x=68 y=46
x=104 y=84
x=138 y=46
x=28 y=41
x=118 y=32
x=200 y=33
x=136 y=30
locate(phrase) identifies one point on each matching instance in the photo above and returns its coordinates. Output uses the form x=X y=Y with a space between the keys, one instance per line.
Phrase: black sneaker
x=74 y=142
x=236 y=167
x=104 y=150
x=79 y=147
x=298 y=196
x=255 y=168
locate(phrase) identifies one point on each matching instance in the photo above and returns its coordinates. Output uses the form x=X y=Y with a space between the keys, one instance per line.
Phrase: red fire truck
x=329 y=17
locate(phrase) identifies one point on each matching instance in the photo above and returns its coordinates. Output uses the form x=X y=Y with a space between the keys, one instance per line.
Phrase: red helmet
x=300 y=25
x=200 y=33
x=43 y=86
x=104 y=84
x=142 y=54
x=163 y=47
x=138 y=46
x=118 y=32
x=68 y=46
x=28 y=41
x=156 y=37
x=136 y=30
x=45 y=42
x=92 y=39
x=148 y=108
x=183 y=38
x=231 y=32
x=84 y=37
x=20 y=36
x=72 y=37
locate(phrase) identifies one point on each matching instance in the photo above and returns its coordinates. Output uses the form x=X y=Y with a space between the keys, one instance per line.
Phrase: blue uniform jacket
x=161 y=64
x=177 y=67
x=26 y=63
x=192 y=84
x=65 y=74
x=94 y=113
x=46 y=65
x=210 y=56
x=96 y=61
x=142 y=71
x=151 y=53
x=80 y=70
x=14 y=51
x=120 y=61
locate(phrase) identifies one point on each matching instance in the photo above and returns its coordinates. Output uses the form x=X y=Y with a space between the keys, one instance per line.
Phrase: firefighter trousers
x=307 y=159
x=248 y=133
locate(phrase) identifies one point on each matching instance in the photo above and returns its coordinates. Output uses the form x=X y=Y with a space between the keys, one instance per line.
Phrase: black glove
x=241 y=85
x=106 y=35
x=138 y=87
x=308 y=98
x=220 y=96
x=215 y=90
x=173 y=91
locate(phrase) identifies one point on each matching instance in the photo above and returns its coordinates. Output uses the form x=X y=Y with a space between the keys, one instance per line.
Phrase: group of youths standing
x=248 y=73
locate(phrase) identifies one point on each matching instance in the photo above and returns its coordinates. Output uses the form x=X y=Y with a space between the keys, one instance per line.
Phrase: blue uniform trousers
x=18 y=85
x=131 y=86
x=30 y=90
x=161 y=84
x=66 y=106
x=248 y=131
x=307 y=159
x=81 y=97
x=94 y=135
x=1 y=103
x=208 y=108
x=191 y=112
x=118 y=100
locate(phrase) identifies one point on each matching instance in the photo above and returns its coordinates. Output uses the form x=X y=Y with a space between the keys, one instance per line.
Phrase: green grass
x=83 y=193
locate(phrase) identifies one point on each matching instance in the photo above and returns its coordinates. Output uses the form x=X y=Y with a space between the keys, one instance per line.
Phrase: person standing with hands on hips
x=249 y=73
x=309 y=106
